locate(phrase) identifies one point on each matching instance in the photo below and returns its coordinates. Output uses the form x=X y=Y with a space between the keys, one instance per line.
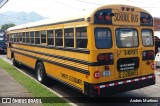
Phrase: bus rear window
x=103 y=38
x=147 y=37
x=126 y=38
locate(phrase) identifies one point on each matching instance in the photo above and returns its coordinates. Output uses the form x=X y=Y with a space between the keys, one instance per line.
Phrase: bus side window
x=20 y=37
x=27 y=37
x=8 y=37
x=69 y=37
x=17 y=37
x=81 y=37
x=37 y=37
x=32 y=37
x=14 y=38
x=43 y=37
x=59 y=37
x=50 y=35
x=24 y=37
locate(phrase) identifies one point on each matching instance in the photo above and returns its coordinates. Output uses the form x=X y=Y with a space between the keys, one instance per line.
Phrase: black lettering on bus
x=72 y=79
x=134 y=18
x=126 y=17
x=64 y=76
x=131 y=52
x=117 y=16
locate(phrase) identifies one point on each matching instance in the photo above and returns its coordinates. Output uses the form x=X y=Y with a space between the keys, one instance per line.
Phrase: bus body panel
x=94 y=67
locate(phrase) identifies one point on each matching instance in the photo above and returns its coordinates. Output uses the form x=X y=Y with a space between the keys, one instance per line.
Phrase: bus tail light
x=146 y=19
x=103 y=57
x=103 y=16
x=148 y=55
x=97 y=74
x=107 y=67
x=108 y=18
x=100 y=17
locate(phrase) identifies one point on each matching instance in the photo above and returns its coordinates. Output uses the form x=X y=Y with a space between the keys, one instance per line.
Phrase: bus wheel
x=41 y=74
x=15 y=63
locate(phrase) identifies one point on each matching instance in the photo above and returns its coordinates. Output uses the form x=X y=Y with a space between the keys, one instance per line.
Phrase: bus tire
x=41 y=73
x=15 y=63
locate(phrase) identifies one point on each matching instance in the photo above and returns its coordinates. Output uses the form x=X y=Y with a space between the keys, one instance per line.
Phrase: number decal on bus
x=131 y=52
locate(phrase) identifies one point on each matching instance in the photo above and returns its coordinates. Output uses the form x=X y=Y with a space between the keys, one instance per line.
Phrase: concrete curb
x=69 y=102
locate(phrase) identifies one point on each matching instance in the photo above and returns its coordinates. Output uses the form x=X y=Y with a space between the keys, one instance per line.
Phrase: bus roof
x=82 y=17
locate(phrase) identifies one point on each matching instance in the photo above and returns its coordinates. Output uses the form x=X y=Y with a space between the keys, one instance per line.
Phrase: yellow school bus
x=109 y=50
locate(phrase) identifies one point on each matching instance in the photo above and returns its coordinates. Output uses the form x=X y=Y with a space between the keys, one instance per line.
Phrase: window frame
x=37 y=37
x=95 y=37
x=152 y=37
x=43 y=37
x=59 y=37
x=28 y=38
x=69 y=38
x=17 y=37
x=23 y=37
x=51 y=37
x=130 y=29
x=20 y=38
x=81 y=38
x=32 y=37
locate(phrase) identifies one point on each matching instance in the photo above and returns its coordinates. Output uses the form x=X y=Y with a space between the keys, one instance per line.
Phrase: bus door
x=147 y=50
x=127 y=52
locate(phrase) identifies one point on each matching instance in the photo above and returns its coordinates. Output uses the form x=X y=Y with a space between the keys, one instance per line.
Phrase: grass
x=36 y=89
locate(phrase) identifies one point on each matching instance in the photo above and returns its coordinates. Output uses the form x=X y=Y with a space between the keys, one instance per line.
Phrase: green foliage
x=6 y=26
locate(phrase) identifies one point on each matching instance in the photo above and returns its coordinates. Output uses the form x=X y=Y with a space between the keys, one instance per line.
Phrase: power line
x=150 y=5
x=68 y=5
x=126 y=0
x=139 y=2
x=88 y=2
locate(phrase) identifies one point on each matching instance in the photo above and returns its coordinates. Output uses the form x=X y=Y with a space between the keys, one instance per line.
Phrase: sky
x=61 y=8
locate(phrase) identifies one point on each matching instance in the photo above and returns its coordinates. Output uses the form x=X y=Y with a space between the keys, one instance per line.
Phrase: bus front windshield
x=126 y=38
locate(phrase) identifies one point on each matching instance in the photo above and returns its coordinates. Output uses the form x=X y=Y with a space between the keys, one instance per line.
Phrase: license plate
x=129 y=73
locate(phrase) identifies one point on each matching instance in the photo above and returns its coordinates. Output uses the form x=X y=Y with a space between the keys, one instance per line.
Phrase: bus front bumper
x=106 y=89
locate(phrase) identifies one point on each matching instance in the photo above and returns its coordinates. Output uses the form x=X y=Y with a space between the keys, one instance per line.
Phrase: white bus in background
x=157 y=49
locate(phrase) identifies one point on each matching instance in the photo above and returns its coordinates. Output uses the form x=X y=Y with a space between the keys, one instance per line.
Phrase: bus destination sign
x=126 y=18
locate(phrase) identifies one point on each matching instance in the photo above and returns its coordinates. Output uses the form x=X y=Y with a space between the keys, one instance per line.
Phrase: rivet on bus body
x=148 y=62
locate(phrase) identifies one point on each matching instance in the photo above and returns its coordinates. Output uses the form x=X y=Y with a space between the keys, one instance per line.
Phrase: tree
x=6 y=26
